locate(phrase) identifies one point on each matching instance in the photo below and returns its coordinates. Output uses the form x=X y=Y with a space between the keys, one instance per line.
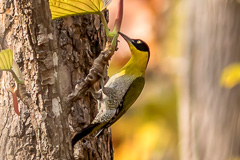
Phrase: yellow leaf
x=8 y=64
x=230 y=75
x=63 y=8
x=6 y=59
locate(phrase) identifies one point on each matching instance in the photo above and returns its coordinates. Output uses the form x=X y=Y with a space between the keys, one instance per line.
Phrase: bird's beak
x=129 y=40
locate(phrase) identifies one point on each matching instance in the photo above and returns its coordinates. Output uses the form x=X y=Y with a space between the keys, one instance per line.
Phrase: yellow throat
x=137 y=63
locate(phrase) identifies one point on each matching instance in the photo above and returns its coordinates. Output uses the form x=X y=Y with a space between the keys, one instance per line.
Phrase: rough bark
x=210 y=116
x=53 y=56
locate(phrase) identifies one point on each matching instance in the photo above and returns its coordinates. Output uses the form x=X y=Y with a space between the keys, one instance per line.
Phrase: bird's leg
x=97 y=95
x=13 y=90
x=102 y=79
x=108 y=91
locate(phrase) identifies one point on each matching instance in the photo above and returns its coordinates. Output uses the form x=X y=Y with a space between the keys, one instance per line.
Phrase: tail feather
x=84 y=132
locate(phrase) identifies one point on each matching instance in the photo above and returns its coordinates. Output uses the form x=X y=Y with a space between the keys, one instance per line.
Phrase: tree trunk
x=53 y=56
x=210 y=119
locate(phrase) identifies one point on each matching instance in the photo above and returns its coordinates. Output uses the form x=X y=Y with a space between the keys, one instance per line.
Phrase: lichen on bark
x=53 y=56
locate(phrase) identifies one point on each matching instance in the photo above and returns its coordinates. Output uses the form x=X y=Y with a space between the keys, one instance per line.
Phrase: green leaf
x=63 y=8
x=6 y=60
x=230 y=76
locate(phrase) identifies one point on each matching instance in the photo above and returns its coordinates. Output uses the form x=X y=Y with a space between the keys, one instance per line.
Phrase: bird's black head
x=138 y=43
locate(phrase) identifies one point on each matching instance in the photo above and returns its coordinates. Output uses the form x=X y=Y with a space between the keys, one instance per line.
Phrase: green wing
x=6 y=60
x=63 y=8
x=133 y=93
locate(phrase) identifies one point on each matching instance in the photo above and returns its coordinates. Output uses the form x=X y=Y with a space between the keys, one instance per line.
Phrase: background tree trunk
x=53 y=56
x=210 y=119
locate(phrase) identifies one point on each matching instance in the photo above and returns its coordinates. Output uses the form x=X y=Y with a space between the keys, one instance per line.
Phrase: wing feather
x=129 y=98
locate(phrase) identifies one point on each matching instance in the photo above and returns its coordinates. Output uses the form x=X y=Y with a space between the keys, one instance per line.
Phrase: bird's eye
x=140 y=45
x=139 y=42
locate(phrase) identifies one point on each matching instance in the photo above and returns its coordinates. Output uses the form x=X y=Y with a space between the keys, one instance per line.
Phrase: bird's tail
x=84 y=132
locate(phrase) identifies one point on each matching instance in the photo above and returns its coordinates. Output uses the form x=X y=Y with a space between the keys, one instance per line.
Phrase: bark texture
x=211 y=115
x=53 y=56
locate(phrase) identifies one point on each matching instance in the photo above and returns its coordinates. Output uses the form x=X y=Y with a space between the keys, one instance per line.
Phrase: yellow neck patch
x=137 y=64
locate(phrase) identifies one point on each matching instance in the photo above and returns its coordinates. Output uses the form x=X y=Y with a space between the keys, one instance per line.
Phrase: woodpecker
x=121 y=90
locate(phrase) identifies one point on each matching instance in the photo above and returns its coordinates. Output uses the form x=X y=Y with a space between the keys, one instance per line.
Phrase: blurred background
x=189 y=108
x=149 y=130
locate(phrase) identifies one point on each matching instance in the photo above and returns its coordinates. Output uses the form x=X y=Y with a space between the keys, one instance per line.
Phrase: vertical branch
x=104 y=23
x=214 y=113
x=117 y=23
x=100 y=63
x=119 y=17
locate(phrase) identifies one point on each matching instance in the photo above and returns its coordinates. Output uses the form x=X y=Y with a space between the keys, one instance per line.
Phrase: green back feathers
x=63 y=8
x=133 y=93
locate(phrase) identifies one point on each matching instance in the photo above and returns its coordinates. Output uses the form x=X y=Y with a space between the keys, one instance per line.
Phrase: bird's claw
x=97 y=95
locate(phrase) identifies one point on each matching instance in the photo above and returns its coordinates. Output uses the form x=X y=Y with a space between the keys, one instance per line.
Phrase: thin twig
x=119 y=17
x=100 y=63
